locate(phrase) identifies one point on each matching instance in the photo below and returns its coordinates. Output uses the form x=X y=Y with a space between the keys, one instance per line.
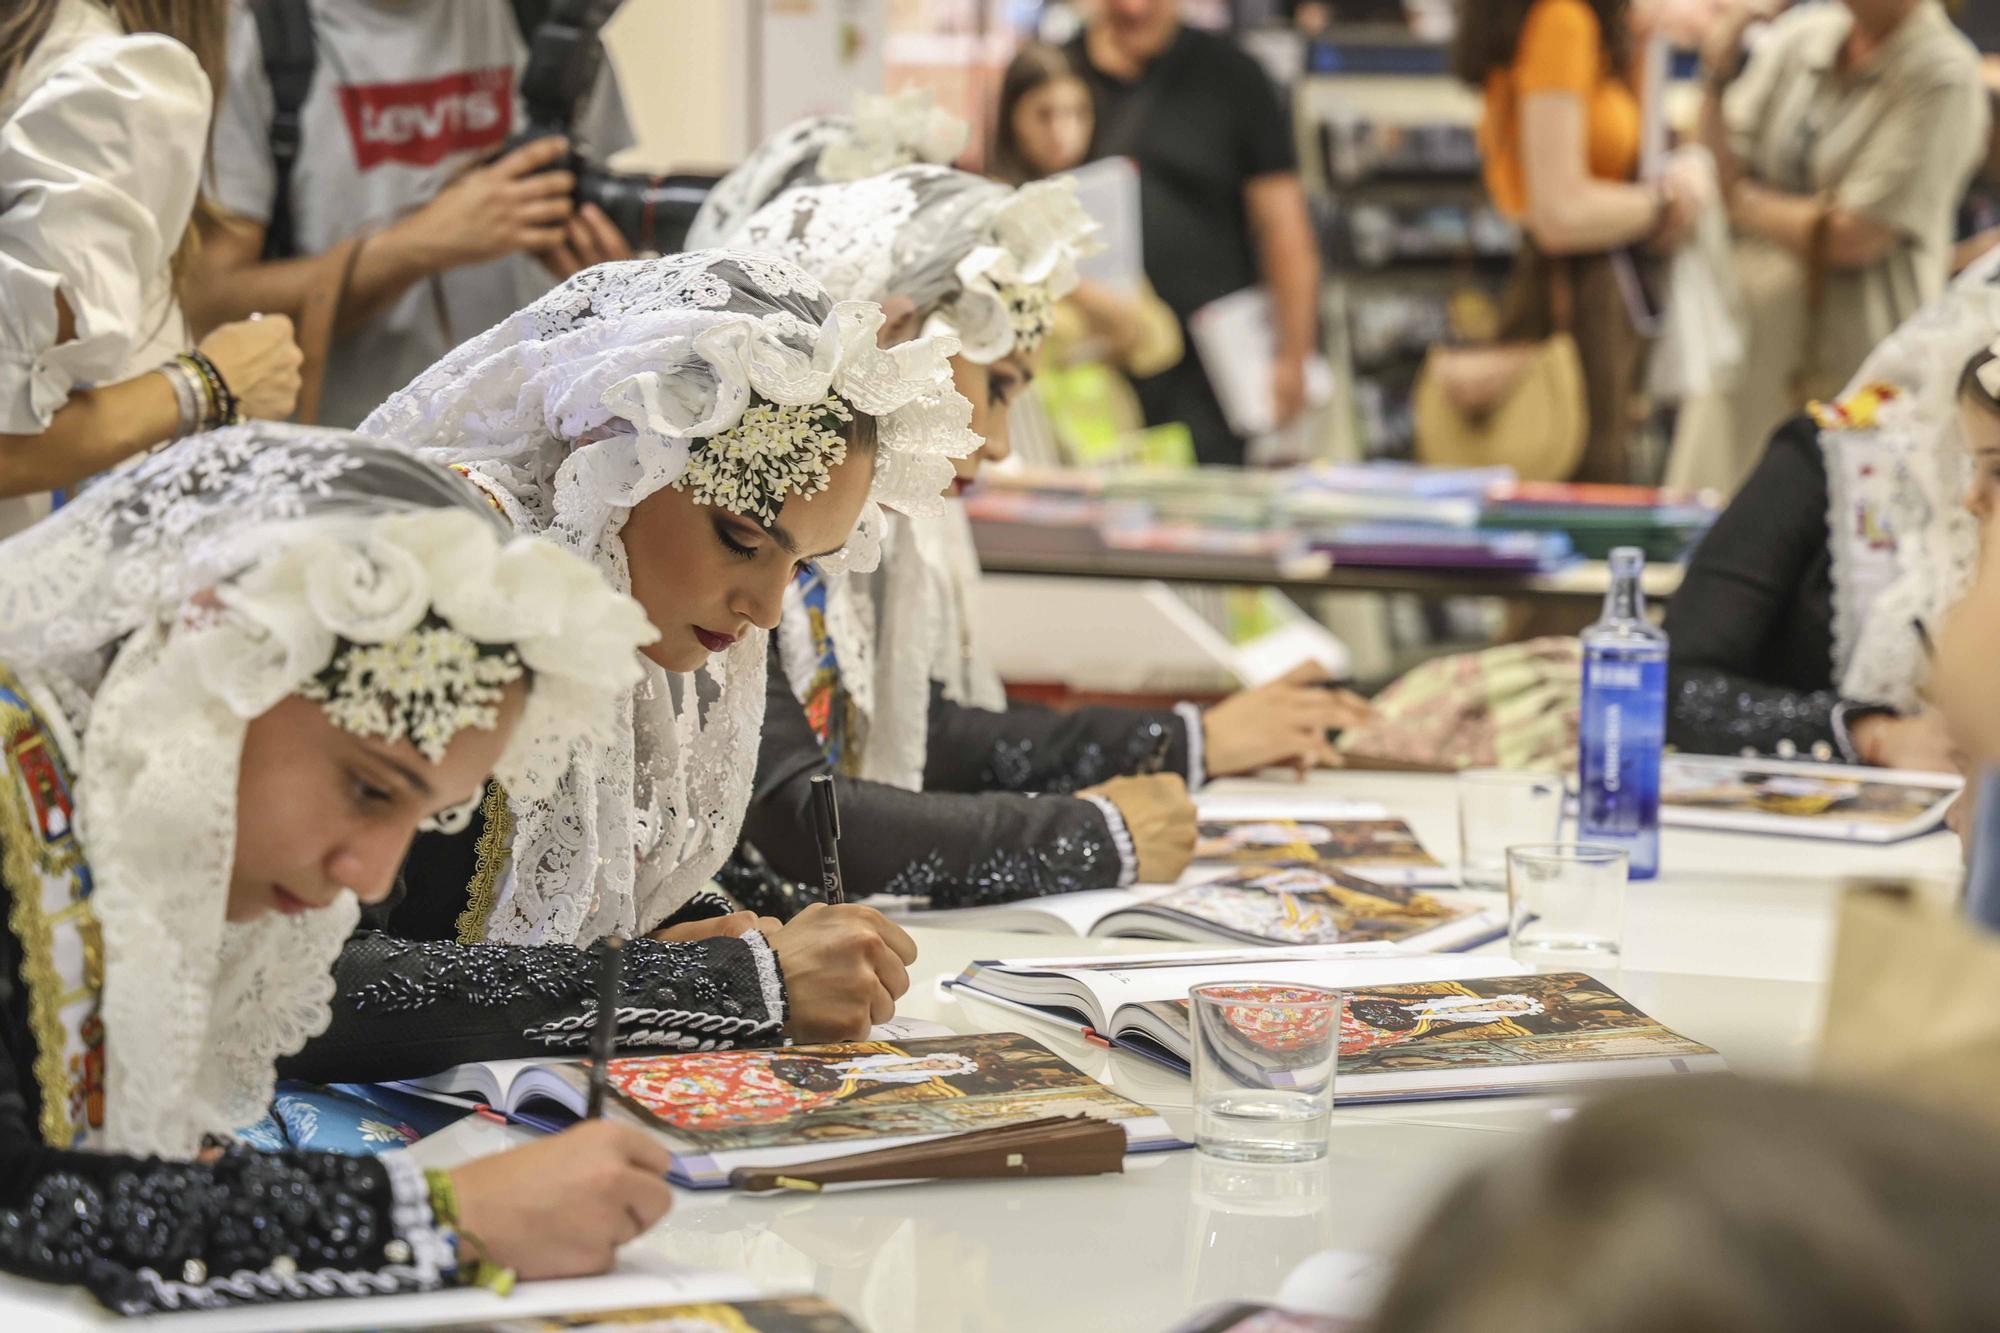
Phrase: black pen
x=826 y=828
x=605 y=1035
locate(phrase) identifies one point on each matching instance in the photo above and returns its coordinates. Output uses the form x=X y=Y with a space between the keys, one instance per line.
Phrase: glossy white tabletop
x=1729 y=945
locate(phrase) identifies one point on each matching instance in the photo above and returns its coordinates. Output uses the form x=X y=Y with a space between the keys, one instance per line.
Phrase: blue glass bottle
x=1624 y=720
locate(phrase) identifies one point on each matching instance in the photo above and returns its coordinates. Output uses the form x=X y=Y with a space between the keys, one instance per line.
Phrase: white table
x=1729 y=945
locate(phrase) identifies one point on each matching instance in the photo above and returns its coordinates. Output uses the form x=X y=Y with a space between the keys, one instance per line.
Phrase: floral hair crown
x=411 y=627
x=774 y=450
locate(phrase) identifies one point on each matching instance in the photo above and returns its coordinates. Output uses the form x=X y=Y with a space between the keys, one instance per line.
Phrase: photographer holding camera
x=403 y=221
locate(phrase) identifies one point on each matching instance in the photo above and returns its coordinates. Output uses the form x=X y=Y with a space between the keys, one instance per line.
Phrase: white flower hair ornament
x=1025 y=262
x=410 y=627
x=785 y=400
x=893 y=130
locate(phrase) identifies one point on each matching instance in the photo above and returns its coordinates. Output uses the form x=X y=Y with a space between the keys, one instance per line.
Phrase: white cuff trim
x=768 y=975
x=1190 y=716
x=1121 y=838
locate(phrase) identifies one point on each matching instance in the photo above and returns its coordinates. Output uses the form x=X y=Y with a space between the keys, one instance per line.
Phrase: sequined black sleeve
x=1750 y=631
x=404 y=1008
x=150 y=1236
x=146 y=1236
x=957 y=850
x=1040 y=750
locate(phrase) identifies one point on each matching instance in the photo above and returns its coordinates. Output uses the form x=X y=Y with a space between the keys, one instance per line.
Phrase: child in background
x=1102 y=337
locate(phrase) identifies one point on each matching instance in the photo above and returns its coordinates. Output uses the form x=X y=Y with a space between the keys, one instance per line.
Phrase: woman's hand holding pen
x=1160 y=818
x=845 y=967
x=561 y=1206
x=1285 y=722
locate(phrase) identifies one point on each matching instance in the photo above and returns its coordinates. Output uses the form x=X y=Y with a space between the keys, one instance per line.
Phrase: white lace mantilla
x=577 y=409
x=883 y=133
x=1880 y=657
x=158 y=614
x=982 y=262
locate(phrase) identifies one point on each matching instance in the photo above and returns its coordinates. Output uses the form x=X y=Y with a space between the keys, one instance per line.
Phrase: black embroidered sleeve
x=1716 y=712
x=150 y=1237
x=954 y=850
x=1035 y=749
x=404 y=1009
x=1750 y=641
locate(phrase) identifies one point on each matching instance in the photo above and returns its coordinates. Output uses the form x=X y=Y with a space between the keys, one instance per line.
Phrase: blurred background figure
x=104 y=121
x=1845 y=138
x=1222 y=205
x=1103 y=337
x=1723 y=1205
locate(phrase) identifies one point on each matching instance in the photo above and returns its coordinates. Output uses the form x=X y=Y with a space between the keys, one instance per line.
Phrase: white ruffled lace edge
x=1121 y=838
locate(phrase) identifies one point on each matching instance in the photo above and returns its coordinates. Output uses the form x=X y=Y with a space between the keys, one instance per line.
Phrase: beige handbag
x=1522 y=404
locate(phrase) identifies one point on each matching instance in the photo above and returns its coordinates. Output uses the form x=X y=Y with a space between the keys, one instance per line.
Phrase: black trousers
x=1184 y=394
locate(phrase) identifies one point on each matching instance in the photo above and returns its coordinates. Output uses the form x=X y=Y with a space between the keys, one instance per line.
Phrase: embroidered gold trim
x=20 y=868
x=496 y=845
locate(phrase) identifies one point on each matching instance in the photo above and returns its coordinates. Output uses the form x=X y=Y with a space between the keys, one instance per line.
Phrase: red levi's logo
x=420 y=124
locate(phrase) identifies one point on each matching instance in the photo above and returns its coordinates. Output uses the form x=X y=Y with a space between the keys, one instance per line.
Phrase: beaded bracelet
x=444 y=1211
x=224 y=409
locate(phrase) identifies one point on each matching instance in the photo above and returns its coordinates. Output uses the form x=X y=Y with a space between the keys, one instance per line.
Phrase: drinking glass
x=1566 y=904
x=1497 y=809
x=1264 y=1058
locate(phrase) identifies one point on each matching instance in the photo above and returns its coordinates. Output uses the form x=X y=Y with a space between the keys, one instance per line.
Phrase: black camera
x=653 y=212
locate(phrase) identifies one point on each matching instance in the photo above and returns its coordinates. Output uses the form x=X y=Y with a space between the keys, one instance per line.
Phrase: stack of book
x=1382 y=515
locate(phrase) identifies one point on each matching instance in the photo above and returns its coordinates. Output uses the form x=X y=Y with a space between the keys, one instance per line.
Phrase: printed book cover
x=1356 y=844
x=727 y=1101
x=1291 y=904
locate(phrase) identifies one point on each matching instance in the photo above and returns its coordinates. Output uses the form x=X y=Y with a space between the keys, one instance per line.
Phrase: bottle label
x=1623 y=726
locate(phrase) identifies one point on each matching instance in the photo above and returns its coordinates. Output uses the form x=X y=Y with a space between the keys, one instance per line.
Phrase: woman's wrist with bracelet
x=474 y=1269
x=201 y=394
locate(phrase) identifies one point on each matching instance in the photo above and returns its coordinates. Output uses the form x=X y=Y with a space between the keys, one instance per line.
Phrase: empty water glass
x=1264 y=1058
x=1566 y=905
x=1500 y=808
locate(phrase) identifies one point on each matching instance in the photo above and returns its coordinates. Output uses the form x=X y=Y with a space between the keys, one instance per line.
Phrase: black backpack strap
x=285 y=31
x=528 y=16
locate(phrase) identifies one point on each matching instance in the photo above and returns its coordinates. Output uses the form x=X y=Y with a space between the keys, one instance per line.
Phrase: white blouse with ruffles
x=102 y=139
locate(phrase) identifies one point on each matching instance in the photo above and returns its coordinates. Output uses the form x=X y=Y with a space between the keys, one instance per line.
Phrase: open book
x=724 y=1110
x=1346 y=877
x=1251 y=904
x=1802 y=800
x=1414 y=1027
x=783 y=1314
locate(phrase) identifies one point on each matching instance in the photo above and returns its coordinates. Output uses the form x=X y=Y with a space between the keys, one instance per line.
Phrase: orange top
x=1561 y=51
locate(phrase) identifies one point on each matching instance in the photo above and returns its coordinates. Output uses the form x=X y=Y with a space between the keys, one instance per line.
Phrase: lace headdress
x=153 y=617
x=984 y=263
x=1879 y=655
x=627 y=378
x=884 y=132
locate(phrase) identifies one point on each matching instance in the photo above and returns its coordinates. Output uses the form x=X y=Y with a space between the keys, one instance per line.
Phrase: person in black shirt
x=1222 y=204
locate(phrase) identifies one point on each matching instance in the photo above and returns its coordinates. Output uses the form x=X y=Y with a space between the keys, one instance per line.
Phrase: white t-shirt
x=404 y=97
x=101 y=139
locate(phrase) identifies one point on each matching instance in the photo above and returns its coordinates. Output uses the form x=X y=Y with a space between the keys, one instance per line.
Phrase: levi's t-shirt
x=405 y=96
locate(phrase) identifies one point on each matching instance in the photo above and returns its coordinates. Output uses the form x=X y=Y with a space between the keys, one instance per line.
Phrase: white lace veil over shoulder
x=984 y=263
x=883 y=132
x=577 y=408
x=151 y=619
x=1879 y=656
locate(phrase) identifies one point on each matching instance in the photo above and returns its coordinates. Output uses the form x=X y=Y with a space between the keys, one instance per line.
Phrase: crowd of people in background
x=192 y=237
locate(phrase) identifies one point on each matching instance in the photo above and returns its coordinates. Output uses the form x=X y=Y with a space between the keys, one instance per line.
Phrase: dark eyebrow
x=782 y=537
x=418 y=782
